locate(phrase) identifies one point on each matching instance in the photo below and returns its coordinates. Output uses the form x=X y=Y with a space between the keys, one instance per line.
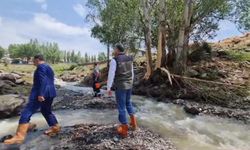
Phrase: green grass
x=25 y=68
x=60 y=68
x=29 y=69
x=17 y=68
x=239 y=56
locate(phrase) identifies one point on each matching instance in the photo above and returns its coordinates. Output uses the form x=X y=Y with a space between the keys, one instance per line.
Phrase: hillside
x=235 y=43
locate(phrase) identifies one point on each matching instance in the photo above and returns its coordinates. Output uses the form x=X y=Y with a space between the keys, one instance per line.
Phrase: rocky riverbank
x=13 y=83
x=95 y=136
x=158 y=88
x=11 y=105
x=86 y=136
x=101 y=137
x=68 y=99
x=195 y=108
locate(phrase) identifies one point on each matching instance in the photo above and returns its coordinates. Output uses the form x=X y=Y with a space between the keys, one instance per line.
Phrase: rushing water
x=187 y=132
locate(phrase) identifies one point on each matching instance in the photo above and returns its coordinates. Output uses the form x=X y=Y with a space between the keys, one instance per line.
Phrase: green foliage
x=201 y=51
x=73 y=66
x=102 y=57
x=24 y=51
x=72 y=56
x=2 y=52
x=51 y=52
x=240 y=13
x=206 y=16
x=86 y=58
x=119 y=21
x=239 y=55
x=122 y=21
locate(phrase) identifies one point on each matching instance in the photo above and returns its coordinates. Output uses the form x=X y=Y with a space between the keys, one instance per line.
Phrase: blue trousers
x=123 y=98
x=45 y=107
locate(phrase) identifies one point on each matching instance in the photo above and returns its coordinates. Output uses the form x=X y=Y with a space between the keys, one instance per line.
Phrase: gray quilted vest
x=123 y=75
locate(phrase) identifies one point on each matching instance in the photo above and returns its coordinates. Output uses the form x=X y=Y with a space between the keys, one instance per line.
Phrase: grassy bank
x=239 y=56
x=28 y=70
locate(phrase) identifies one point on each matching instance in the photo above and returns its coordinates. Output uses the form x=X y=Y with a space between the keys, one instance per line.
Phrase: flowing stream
x=187 y=132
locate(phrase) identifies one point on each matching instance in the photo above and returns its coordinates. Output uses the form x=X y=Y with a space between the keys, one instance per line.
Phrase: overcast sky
x=61 y=21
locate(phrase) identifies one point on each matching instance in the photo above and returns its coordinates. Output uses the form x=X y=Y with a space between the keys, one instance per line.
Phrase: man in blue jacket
x=42 y=94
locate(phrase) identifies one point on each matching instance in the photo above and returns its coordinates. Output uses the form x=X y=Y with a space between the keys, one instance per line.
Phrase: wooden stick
x=200 y=80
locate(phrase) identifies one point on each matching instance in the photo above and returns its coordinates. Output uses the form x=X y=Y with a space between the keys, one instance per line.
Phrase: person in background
x=96 y=80
x=121 y=74
x=42 y=94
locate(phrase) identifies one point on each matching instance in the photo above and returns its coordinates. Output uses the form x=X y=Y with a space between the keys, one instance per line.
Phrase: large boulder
x=202 y=51
x=10 y=76
x=192 y=109
x=5 y=87
x=71 y=77
x=10 y=105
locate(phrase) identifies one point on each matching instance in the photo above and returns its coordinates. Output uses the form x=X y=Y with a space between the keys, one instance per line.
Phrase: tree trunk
x=108 y=53
x=28 y=60
x=180 y=63
x=148 y=39
x=161 y=51
x=171 y=45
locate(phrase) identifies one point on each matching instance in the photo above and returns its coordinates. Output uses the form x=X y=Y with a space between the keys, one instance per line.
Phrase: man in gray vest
x=121 y=74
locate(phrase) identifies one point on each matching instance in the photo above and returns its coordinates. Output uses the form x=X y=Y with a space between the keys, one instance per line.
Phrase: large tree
x=161 y=48
x=26 y=51
x=194 y=20
x=182 y=51
x=147 y=28
x=2 y=52
x=115 y=22
x=52 y=53
x=240 y=14
x=165 y=23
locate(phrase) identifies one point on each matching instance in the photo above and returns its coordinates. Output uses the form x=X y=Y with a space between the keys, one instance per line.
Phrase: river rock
x=18 y=73
x=19 y=81
x=192 y=72
x=87 y=81
x=8 y=82
x=194 y=110
x=71 y=76
x=67 y=99
x=4 y=88
x=179 y=102
x=10 y=76
x=102 y=137
x=10 y=105
x=94 y=137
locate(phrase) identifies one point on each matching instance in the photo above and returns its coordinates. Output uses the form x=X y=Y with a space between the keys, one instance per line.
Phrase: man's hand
x=41 y=98
x=109 y=93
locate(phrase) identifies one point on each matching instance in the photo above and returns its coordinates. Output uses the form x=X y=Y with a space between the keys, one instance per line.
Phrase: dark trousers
x=45 y=107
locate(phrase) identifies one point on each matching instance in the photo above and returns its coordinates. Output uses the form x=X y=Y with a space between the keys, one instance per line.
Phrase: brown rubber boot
x=53 y=131
x=20 y=135
x=122 y=130
x=133 y=122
